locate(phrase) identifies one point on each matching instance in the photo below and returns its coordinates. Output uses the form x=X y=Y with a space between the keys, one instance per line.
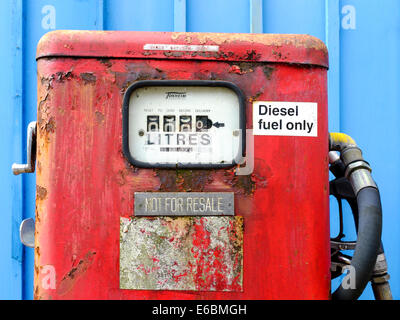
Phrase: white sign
x=186 y=125
x=278 y=118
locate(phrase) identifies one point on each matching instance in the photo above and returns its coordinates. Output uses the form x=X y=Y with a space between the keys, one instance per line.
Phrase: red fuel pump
x=187 y=166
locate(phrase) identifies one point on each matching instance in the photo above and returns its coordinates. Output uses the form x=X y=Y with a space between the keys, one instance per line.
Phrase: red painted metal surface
x=85 y=185
x=302 y=49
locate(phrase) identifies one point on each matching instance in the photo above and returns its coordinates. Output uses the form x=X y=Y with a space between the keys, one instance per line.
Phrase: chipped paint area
x=185 y=253
x=68 y=281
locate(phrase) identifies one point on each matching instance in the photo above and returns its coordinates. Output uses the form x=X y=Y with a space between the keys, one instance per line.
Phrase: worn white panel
x=185 y=253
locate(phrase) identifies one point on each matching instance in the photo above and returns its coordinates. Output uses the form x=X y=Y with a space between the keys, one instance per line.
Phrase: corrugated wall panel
x=363 y=37
x=11 y=143
x=218 y=16
x=41 y=16
x=149 y=15
x=295 y=16
x=370 y=100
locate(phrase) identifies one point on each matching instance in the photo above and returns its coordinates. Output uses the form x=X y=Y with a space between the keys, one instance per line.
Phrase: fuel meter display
x=186 y=124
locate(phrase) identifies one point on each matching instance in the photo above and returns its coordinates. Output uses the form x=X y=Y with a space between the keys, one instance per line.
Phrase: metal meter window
x=184 y=124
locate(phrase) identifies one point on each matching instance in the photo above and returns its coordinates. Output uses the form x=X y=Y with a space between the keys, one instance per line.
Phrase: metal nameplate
x=184 y=204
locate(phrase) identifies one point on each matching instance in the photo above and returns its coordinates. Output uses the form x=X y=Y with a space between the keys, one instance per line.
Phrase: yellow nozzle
x=338 y=140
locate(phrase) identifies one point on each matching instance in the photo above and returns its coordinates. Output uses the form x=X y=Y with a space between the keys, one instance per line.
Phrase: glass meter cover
x=185 y=124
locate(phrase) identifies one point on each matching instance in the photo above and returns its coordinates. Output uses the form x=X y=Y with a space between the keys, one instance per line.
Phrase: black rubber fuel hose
x=368 y=244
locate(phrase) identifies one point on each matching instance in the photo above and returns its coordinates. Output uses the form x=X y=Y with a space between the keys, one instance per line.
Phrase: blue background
x=363 y=38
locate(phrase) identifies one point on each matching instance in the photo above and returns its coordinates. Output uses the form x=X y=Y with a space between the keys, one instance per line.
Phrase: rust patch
x=278 y=55
x=197 y=180
x=238 y=70
x=42 y=101
x=168 y=180
x=106 y=62
x=246 y=67
x=36 y=293
x=241 y=184
x=99 y=117
x=183 y=180
x=136 y=72
x=173 y=53
x=268 y=70
x=38 y=166
x=88 y=77
x=121 y=177
x=251 y=55
x=62 y=76
x=256 y=96
x=48 y=82
x=41 y=192
x=306 y=41
x=236 y=238
x=245 y=183
x=50 y=125
x=46 y=123
x=194 y=180
x=68 y=281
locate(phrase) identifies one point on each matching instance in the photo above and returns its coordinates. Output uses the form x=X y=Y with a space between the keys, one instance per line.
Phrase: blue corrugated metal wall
x=363 y=37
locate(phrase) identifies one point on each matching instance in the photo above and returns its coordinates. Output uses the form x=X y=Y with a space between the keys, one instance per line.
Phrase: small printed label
x=179 y=47
x=184 y=203
x=278 y=118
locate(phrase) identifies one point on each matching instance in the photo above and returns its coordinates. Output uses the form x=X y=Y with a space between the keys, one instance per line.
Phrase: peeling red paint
x=209 y=270
x=68 y=281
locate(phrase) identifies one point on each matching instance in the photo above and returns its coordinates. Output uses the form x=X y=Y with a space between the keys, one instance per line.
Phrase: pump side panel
x=85 y=185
